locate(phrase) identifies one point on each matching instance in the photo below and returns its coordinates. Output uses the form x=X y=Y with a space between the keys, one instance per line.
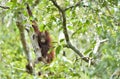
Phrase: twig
x=77 y=4
x=4 y=7
x=98 y=43
x=63 y=20
x=55 y=3
x=102 y=41
x=20 y=69
x=108 y=10
x=63 y=15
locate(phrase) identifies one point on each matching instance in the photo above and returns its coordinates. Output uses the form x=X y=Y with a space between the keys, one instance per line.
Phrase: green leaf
x=70 y=27
x=61 y=40
x=58 y=49
x=87 y=51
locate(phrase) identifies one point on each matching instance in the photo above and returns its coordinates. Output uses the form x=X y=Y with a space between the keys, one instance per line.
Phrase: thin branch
x=86 y=59
x=63 y=20
x=65 y=31
x=98 y=44
x=63 y=15
x=55 y=3
x=4 y=7
x=108 y=10
x=102 y=41
x=75 y=5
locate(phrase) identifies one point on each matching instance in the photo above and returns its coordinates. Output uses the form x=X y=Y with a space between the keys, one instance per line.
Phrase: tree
x=86 y=32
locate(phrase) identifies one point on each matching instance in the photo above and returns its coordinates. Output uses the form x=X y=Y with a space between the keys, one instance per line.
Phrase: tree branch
x=4 y=7
x=62 y=11
x=75 y=5
x=108 y=10
x=98 y=44
x=55 y=3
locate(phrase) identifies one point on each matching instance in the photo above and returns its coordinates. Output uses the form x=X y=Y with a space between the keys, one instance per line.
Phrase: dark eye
x=40 y=59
